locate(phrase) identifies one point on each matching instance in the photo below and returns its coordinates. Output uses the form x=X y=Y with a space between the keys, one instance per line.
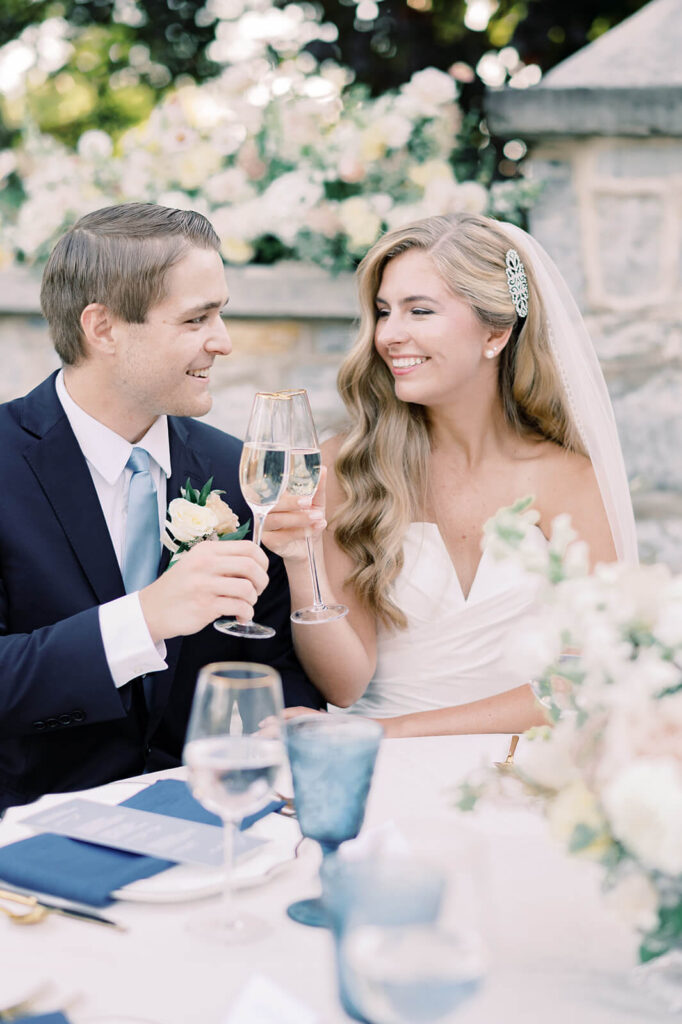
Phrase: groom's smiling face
x=163 y=365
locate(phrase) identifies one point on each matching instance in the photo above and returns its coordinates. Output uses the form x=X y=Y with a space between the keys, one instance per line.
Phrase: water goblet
x=396 y=963
x=305 y=463
x=263 y=474
x=410 y=974
x=332 y=760
x=233 y=762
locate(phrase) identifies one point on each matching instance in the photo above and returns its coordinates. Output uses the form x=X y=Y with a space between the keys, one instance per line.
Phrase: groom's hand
x=212 y=579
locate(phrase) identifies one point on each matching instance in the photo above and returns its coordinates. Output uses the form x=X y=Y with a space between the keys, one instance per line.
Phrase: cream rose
x=227 y=521
x=644 y=806
x=189 y=521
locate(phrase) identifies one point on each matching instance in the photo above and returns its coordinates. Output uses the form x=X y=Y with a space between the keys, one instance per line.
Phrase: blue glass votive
x=387 y=892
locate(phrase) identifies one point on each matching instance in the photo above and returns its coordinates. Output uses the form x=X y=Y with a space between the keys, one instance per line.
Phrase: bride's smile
x=429 y=337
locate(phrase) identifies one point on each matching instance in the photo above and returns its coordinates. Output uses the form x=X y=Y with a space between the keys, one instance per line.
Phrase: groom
x=98 y=652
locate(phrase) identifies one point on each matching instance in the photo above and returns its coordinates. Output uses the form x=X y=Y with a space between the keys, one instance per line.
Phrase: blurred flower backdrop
x=249 y=111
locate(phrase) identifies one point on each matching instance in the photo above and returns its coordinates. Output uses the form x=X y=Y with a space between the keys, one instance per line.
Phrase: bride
x=472 y=383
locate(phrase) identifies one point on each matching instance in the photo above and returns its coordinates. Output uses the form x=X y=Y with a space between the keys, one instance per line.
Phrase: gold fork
x=508 y=764
x=35 y=915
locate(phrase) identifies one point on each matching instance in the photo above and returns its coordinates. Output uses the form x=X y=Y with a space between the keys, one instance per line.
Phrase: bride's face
x=431 y=341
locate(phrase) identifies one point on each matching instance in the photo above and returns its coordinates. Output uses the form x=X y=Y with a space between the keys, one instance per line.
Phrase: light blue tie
x=143 y=534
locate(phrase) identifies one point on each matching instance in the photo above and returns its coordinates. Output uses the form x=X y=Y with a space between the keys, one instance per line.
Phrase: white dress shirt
x=128 y=646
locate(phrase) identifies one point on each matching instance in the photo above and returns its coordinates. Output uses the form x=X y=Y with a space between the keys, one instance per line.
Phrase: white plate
x=190 y=882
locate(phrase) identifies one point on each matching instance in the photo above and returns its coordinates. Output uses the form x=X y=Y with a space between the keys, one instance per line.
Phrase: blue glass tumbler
x=383 y=891
x=332 y=760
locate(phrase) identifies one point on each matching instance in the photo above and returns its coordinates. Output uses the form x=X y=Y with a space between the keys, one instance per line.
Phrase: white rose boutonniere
x=199 y=515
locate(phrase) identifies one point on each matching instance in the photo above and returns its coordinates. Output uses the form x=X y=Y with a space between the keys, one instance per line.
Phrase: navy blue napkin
x=88 y=873
x=43 y=1018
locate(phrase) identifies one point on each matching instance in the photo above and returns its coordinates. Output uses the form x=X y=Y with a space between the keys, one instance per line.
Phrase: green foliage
x=667 y=935
x=237 y=534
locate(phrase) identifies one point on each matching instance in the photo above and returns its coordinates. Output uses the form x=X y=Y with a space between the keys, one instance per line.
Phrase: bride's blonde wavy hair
x=382 y=464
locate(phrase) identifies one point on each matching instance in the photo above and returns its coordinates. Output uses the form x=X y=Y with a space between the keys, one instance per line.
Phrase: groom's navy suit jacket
x=63 y=723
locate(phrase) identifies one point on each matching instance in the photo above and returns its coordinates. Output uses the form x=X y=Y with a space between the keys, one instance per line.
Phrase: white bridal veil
x=586 y=391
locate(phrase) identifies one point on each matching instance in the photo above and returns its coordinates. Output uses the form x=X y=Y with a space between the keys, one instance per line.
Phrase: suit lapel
x=63 y=474
x=185 y=462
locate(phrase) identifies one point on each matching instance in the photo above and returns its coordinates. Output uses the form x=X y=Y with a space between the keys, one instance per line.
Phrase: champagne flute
x=305 y=463
x=263 y=471
x=233 y=763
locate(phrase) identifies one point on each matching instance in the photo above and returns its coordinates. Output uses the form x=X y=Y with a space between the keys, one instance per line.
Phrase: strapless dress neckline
x=452 y=650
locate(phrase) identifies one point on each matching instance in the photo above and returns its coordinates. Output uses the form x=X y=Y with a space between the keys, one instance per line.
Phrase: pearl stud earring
x=490 y=353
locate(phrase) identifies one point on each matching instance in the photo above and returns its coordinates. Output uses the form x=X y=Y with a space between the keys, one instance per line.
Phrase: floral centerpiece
x=605 y=654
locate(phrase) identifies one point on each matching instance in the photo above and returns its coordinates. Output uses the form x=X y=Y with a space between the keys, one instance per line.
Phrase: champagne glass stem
x=318 y=603
x=259 y=520
x=229 y=914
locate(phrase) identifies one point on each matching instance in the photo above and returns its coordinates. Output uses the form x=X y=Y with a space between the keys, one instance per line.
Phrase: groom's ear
x=96 y=324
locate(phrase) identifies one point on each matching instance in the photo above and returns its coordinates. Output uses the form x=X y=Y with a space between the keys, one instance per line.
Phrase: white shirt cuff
x=128 y=646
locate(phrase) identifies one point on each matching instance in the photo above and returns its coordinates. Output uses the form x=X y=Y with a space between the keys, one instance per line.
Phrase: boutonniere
x=199 y=515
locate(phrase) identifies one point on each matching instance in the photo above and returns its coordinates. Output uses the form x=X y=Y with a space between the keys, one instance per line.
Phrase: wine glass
x=233 y=762
x=305 y=463
x=263 y=472
x=332 y=760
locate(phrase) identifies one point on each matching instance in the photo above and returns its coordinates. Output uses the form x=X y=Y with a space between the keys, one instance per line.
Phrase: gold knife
x=60 y=907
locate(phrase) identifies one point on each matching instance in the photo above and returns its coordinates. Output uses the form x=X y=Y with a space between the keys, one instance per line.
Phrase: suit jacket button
x=65 y=719
x=78 y=715
x=51 y=723
x=38 y=725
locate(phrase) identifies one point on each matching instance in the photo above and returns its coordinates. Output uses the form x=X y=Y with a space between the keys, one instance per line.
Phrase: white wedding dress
x=453 y=650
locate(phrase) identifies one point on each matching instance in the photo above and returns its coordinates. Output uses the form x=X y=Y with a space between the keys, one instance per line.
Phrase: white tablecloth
x=558 y=954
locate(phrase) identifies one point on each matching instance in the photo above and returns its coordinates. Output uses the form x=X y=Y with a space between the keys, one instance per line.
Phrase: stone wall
x=289 y=325
x=604 y=131
x=611 y=215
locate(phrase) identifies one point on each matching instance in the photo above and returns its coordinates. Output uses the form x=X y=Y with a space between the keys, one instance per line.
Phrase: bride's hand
x=292 y=520
x=297 y=712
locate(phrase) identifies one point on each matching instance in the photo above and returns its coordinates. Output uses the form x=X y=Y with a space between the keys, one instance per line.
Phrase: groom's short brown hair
x=118 y=256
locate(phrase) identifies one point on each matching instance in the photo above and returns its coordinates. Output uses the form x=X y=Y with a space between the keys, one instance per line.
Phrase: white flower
x=432 y=170
x=229 y=186
x=562 y=534
x=546 y=758
x=668 y=624
x=189 y=521
x=359 y=221
x=635 y=900
x=236 y=250
x=95 y=145
x=644 y=806
x=531 y=647
x=393 y=129
x=426 y=92
x=472 y=197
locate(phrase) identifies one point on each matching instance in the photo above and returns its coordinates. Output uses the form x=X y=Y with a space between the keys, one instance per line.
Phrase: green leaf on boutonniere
x=205 y=491
x=238 y=534
x=190 y=493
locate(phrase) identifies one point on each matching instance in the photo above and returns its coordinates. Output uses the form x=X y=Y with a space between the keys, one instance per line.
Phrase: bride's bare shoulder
x=566 y=483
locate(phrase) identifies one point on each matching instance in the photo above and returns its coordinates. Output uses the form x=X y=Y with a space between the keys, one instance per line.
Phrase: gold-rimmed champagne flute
x=263 y=474
x=305 y=463
x=233 y=752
